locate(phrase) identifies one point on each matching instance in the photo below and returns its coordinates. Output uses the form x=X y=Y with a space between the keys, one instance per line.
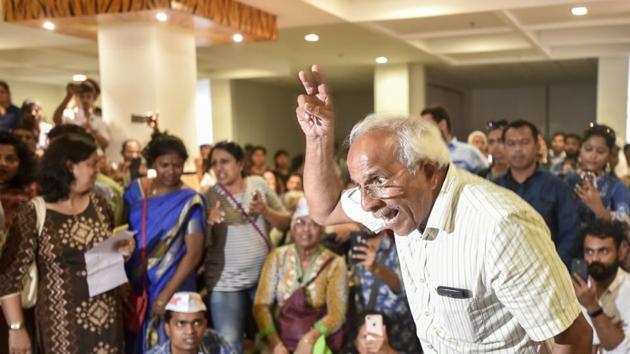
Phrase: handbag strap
x=374 y=289
x=326 y=263
x=247 y=217
x=40 y=211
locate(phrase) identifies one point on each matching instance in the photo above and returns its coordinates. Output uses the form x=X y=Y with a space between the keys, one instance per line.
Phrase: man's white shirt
x=485 y=240
x=615 y=302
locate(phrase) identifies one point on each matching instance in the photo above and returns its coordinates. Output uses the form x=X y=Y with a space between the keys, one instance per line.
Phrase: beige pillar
x=222 y=122
x=148 y=67
x=612 y=95
x=399 y=89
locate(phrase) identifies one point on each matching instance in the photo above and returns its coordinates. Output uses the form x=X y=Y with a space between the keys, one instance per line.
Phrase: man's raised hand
x=315 y=112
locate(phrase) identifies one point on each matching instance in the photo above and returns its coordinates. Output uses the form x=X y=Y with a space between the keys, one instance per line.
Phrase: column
x=612 y=95
x=222 y=122
x=399 y=89
x=148 y=67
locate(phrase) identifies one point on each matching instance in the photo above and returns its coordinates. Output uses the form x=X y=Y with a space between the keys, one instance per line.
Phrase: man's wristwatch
x=596 y=312
x=16 y=325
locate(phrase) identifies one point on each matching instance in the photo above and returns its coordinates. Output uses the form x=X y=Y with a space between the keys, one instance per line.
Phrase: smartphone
x=588 y=177
x=579 y=267
x=373 y=325
x=357 y=238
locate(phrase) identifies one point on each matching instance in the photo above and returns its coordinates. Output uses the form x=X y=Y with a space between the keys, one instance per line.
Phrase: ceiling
x=478 y=42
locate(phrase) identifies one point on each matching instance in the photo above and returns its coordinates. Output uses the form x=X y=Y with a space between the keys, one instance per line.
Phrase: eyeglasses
x=496 y=124
x=382 y=188
x=301 y=223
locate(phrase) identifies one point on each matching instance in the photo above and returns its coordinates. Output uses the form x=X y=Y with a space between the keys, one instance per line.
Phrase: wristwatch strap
x=596 y=313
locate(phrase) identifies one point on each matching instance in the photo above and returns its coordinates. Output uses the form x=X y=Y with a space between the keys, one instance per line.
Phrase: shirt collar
x=616 y=283
x=451 y=144
x=442 y=216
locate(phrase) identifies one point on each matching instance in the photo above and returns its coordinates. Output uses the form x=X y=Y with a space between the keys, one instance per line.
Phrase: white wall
x=613 y=95
x=48 y=95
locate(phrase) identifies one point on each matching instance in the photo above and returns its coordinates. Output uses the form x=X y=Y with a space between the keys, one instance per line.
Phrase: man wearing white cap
x=187 y=329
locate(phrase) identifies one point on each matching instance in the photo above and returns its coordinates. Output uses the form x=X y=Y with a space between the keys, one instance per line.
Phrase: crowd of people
x=412 y=236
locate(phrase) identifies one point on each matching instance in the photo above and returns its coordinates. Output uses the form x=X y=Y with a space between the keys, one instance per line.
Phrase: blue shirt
x=9 y=119
x=466 y=156
x=554 y=201
x=212 y=343
x=614 y=194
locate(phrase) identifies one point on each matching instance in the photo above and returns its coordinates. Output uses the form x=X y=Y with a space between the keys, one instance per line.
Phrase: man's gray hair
x=418 y=139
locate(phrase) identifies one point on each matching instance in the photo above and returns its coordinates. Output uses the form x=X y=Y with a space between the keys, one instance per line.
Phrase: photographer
x=86 y=113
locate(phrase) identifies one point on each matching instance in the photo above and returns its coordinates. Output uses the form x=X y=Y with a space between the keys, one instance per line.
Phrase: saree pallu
x=170 y=217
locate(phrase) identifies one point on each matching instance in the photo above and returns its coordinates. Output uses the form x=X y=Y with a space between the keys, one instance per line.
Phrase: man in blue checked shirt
x=548 y=194
x=463 y=155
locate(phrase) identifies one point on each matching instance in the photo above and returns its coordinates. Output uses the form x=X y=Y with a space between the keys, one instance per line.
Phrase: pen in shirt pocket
x=454 y=293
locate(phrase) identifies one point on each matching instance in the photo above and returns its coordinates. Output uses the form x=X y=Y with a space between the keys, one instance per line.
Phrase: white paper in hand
x=105 y=265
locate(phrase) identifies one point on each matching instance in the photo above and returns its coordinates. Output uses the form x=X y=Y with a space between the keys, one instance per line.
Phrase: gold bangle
x=160 y=302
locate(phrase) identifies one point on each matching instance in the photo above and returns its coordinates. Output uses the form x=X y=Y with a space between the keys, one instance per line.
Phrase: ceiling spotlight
x=49 y=25
x=161 y=16
x=381 y=60
x=311 y=37
x=78 y=77
x=579 y=11
x=238 y=38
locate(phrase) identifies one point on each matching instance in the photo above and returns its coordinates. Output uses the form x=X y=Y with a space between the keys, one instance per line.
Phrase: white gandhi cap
x=186 y=302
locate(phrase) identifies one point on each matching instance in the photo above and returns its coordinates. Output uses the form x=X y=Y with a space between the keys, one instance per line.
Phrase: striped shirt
x=488 y=242
x=237 y=251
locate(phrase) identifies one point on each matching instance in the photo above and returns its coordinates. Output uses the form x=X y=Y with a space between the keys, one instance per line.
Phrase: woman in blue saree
x=173 y=218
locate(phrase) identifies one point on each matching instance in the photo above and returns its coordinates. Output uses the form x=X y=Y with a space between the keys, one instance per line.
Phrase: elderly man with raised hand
x=187 y=328
x=479 y=268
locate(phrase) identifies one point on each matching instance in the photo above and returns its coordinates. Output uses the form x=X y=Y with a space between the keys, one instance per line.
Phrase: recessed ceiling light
x=579 y=11
x=381 y=60
x=49 y=25
x=79 y=77
x=311 y=37
x=161 y=16
x=237 y=38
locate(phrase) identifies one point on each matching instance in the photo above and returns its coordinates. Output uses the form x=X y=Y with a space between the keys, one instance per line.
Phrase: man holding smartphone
x=479 y=268
x=605 y=295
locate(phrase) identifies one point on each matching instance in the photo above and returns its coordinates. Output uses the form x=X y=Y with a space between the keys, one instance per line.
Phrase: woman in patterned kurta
x=290 y=267
x=69 y=320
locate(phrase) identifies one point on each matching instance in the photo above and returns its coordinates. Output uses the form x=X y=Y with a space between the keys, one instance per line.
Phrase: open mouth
x=389 y=215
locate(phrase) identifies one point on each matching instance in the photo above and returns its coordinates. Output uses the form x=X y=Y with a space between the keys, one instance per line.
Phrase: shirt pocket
x=457 y=318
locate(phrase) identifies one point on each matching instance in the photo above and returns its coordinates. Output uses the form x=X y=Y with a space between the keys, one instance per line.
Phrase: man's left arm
x=530 y=280
x=611 y=336
x=575 y=339
x=568 y=225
